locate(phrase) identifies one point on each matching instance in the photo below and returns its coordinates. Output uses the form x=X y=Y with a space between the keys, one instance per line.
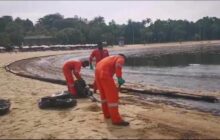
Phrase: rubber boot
x=122 y=123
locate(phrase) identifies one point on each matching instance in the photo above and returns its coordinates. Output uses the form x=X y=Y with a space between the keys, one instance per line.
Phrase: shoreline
x=147 y=119
x=15 y=67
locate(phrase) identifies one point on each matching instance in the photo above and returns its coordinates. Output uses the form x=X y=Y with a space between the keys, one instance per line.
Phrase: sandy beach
x=148 y=120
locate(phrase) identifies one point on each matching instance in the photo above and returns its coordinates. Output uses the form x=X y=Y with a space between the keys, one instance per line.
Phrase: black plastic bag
x=62 y=100
x=4 y=106
x=82 y=89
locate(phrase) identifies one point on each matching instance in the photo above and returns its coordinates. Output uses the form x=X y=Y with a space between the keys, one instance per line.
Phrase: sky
x=120 y=11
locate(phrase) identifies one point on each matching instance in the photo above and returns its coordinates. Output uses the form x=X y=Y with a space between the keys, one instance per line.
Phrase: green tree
x=70 y=36
x=97 y=28
x=4 y=21
x=5 y=41
x=49 y=21
x=15 y=33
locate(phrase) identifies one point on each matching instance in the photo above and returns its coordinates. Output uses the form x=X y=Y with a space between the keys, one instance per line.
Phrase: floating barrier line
x=170 y=94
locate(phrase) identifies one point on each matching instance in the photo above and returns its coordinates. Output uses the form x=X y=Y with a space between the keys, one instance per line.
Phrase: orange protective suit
x=98 y=55
x=104 y=73
x=71 y=68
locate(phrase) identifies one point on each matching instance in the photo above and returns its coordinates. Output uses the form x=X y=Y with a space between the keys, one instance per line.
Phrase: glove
x=121 y=81
x=91 y=66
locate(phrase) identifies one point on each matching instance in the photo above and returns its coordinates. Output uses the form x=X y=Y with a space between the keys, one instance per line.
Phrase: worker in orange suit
x=71 y=68
x=98 y=54
x=104 y=73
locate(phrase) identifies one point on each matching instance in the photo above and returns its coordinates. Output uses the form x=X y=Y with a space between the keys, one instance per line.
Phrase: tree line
x=81 y=30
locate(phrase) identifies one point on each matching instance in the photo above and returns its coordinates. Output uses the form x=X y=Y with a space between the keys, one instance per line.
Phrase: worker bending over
x=98 y=54
x=104 y=73
x=71 y=68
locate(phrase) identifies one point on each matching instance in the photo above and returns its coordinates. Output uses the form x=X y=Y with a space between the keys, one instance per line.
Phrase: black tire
x=4 y=106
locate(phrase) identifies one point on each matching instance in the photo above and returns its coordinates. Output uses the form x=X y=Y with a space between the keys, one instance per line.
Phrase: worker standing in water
x=104 y=73
x=70 y=69
x=98 y=54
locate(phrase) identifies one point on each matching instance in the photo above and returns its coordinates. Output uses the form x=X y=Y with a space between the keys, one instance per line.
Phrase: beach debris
x=60 y=100
x=82 y=89
x=4 y=106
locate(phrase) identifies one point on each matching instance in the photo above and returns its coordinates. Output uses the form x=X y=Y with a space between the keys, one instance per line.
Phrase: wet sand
x=147 y=119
